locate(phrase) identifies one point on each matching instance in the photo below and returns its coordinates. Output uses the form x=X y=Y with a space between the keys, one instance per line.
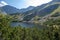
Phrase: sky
x=24 y=3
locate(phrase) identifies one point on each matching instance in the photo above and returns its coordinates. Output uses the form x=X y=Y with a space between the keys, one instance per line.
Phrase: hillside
x=29 y=14
x=42 y=12
x=53 y=16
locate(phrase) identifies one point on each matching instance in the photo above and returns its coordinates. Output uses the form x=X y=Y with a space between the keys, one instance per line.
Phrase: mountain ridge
x=43 y=10
x=31 y=12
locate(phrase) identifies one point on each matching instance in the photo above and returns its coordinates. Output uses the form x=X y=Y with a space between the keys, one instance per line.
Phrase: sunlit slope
x=47 y=10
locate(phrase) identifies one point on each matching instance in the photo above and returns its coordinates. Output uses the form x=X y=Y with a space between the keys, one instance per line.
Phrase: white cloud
x=36 y=2
x=4 y=3
x=1 y=5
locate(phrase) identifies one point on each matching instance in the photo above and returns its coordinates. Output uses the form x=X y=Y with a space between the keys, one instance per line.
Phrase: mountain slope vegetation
x=48 y=10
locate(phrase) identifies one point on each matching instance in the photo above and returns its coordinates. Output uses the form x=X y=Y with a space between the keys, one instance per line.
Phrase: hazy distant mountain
x=9 y=9
x=26 y=9
x=37 y=8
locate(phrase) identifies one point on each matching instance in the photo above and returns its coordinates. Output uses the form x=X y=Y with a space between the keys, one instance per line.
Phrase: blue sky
x=25 y=3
